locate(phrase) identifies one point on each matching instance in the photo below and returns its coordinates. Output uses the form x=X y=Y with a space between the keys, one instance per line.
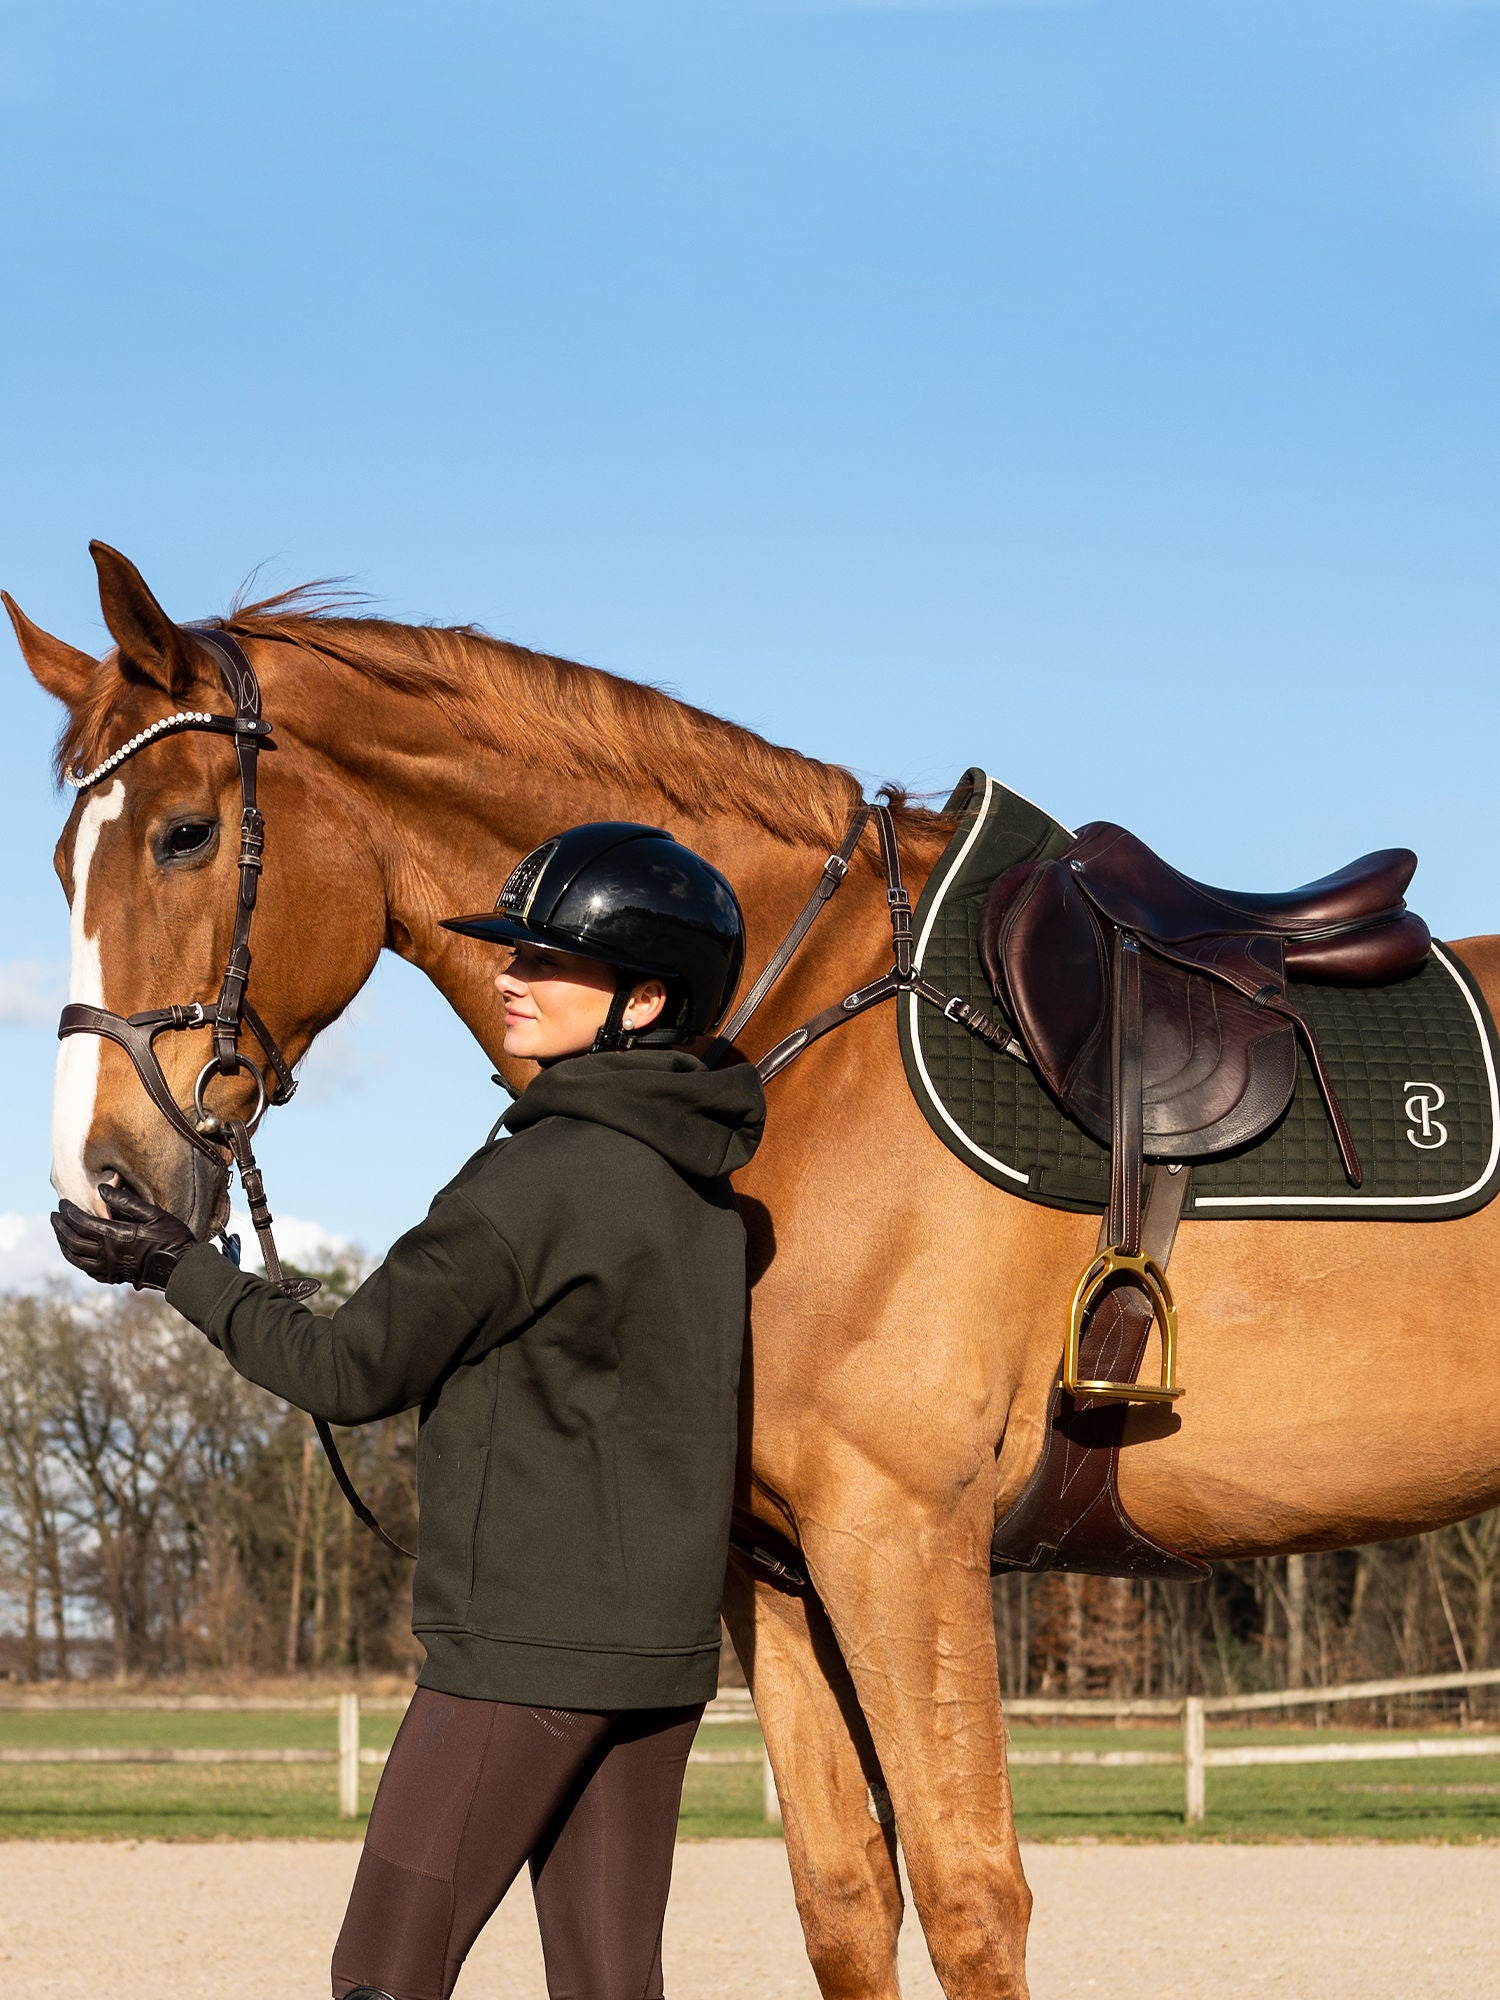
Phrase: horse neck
x=449 y=819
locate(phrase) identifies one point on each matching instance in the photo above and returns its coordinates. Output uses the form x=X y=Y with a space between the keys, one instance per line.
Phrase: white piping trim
x=1236 y=1201
x=1011 y=1173
x=1390 y=1200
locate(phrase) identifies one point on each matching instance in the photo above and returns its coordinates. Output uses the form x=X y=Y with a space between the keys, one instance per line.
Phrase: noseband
x=232 y=1012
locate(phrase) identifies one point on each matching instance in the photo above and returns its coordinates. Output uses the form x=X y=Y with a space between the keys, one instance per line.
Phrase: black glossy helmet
x=633 y=897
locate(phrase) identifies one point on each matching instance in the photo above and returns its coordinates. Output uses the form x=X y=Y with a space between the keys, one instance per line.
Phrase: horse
x=905 y=1316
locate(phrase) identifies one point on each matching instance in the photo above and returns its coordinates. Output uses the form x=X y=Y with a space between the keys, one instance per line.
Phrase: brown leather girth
x=1070 y=1515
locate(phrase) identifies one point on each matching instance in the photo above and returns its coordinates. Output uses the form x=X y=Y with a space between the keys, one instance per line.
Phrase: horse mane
x=579 y=721
x=556 y=714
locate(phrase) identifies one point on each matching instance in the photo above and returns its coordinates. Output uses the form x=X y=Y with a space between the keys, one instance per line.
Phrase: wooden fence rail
x=1197 y=1759
x=734 y=1705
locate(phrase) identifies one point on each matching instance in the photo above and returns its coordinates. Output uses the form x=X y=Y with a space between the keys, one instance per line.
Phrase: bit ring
x=208 y=1123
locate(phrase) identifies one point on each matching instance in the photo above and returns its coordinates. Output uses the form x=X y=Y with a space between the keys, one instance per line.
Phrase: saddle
x=1159 y=1012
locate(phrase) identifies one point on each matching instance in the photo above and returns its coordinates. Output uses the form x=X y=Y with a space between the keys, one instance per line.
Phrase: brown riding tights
x=473 y=1789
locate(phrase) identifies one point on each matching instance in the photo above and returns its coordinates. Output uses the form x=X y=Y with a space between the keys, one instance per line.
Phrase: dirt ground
x=142 y=1921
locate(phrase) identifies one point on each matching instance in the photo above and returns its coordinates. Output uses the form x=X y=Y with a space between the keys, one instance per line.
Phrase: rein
x=232 y=1012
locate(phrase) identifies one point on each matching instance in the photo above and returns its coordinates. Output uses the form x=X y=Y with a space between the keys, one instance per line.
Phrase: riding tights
x=473 y=1789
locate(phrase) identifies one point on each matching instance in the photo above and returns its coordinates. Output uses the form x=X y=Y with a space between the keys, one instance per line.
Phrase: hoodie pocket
x=476 y=1524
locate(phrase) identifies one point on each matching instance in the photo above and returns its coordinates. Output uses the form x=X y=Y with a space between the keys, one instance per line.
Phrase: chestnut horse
x=906 y=1317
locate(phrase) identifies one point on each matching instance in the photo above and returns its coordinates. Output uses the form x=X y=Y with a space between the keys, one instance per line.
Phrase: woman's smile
x=556 y=1002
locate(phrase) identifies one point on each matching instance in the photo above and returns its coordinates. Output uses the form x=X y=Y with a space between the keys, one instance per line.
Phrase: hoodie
x=569 y=1321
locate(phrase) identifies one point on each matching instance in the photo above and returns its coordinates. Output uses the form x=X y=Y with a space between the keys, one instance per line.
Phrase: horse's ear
x=151 y=647
x=63 y=670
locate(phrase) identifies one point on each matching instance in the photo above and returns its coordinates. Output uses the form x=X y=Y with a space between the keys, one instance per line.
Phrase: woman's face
x=555 y=1003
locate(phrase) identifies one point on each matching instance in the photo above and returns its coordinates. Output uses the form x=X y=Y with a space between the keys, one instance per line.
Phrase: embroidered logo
x=1425 y=1132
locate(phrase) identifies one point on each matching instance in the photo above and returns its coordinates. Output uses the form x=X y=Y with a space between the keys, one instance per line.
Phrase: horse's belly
x=1342 y=1385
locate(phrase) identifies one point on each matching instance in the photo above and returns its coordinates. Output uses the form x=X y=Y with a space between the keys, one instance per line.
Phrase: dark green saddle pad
x=1414 y=1065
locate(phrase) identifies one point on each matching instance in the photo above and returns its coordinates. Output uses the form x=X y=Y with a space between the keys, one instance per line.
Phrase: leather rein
x=232 y=1012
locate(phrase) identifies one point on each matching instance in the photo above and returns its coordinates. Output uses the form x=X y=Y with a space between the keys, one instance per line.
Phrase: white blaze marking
x=78 y=1057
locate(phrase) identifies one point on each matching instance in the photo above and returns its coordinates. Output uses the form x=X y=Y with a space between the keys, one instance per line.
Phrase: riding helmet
x=629 y=896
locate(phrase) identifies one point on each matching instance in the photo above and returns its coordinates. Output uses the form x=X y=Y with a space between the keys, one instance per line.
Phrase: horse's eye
x=187 y=836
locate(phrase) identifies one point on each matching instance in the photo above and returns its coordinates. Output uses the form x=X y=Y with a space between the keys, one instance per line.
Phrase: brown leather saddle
x=1214 y=1020
x=1161 y=1015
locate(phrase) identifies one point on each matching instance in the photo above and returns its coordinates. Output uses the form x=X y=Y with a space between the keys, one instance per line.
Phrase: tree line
x=161 y=1516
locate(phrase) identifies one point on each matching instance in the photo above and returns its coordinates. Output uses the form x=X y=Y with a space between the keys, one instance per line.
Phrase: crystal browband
x=194 y=718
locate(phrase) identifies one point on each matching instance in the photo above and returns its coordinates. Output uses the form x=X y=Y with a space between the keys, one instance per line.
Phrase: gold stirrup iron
x=1149 y=1277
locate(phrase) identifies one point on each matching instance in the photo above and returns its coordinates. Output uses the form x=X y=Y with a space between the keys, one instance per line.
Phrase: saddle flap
x=1217 y=1069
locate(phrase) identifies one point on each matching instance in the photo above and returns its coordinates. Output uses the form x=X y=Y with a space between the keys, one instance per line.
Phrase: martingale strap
x=903 y=976
x=136 y=1033
x=747 y=1537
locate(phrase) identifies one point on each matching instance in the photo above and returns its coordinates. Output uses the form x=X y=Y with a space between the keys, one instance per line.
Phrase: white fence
x=733 y=1705
x=1197 y=1759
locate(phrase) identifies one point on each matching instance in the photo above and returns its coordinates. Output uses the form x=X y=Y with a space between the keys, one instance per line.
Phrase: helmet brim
x=494 y=927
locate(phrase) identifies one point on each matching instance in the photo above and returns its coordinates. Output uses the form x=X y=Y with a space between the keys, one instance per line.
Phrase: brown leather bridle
x=137 y=1033
x=232 y=1013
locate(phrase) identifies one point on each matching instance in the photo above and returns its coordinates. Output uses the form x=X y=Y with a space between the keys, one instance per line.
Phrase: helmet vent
x=520 y=885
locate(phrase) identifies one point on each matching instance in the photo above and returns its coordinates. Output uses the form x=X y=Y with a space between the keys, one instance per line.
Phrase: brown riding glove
x=137 y=1243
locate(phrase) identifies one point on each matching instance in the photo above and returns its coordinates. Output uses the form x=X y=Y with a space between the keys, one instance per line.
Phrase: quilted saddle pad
x=1414 y=1064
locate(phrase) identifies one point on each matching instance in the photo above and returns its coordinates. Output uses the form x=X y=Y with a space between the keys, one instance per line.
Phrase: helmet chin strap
x=613 y=1034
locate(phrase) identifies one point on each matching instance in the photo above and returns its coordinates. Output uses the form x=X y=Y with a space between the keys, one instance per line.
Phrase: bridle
x=137 y=1033
x=232 y=1012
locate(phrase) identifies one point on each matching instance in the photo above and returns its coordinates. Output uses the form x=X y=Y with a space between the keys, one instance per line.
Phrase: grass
x=1454 y=1801
x=263 y=1802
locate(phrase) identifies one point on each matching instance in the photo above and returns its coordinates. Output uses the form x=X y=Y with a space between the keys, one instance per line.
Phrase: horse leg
x=913 y=1618
x=842 y=1856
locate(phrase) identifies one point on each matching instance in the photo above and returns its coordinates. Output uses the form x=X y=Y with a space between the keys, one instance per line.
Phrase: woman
x=569 y=1319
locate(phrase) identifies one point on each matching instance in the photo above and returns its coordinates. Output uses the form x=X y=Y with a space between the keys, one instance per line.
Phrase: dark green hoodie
x=569 y=1318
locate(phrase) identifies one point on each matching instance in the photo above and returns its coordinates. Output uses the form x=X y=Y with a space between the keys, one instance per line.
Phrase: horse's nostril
x=113 y=1177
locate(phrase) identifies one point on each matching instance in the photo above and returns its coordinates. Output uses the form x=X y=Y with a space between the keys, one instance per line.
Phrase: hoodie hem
x=555 y=1676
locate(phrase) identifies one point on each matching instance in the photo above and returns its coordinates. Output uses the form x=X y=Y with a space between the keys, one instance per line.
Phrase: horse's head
x=148 y=861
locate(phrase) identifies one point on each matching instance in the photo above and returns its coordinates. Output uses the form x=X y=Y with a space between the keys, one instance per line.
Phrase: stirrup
x=1152 y=1280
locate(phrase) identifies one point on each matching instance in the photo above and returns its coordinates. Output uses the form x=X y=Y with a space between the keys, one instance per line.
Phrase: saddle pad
x=1414 y=1064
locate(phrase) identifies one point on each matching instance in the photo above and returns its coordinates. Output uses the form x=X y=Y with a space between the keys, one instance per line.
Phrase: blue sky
x=1103 y=393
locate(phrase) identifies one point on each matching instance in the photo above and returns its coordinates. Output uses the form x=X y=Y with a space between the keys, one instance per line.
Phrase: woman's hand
x=137 y=1243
